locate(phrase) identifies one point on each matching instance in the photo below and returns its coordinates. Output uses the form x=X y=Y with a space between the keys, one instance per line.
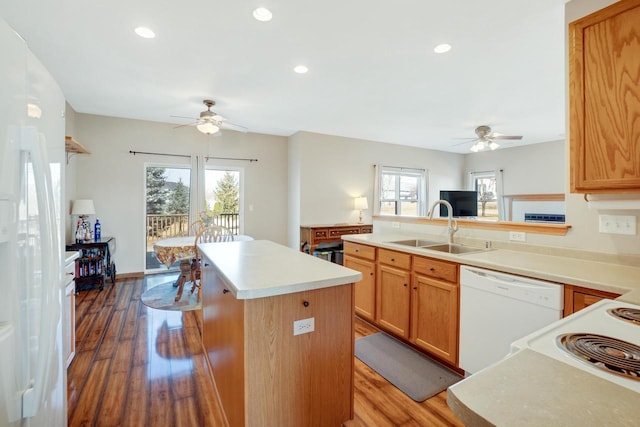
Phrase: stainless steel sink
x=416 y=243
x=453 y=248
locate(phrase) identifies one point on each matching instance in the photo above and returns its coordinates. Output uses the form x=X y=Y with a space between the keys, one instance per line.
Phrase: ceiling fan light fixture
x=207 y=128
x=476 y=147
x=301 y=69
x=493 y=145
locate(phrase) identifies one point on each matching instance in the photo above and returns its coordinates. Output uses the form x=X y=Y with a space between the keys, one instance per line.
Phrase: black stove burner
x=631 y=315
x=607 y=353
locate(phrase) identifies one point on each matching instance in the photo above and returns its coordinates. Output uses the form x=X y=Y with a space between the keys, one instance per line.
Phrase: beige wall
x=333 y=170
x=115 y=179
x=528 y=169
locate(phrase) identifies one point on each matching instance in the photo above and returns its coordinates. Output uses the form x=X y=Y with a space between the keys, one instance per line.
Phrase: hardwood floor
x=136 y=366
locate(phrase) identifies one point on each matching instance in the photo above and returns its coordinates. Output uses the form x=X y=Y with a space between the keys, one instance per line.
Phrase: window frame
x=421 y=198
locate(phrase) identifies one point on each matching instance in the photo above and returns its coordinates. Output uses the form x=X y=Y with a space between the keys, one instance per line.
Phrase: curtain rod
x=159 y=154
x=206 y=159
x=188 y=156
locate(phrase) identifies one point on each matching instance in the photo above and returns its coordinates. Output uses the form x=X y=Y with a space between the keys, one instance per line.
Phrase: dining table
x=182 y=248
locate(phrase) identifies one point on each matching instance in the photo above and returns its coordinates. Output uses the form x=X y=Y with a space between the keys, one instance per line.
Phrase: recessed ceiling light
x=262 y=14
x=145 y=32
x=442 y=48
x=300 y=69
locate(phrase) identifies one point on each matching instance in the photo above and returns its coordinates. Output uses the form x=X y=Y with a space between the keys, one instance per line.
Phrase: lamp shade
x=83 y=207
x=361 y=203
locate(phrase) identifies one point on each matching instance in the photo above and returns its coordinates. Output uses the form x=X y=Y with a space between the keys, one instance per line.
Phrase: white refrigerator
x=32 y=375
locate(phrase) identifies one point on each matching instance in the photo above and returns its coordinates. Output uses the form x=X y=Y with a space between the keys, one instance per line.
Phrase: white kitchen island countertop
x=261 y=268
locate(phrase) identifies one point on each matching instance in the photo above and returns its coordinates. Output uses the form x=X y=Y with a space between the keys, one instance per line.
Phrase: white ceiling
x=372 y=71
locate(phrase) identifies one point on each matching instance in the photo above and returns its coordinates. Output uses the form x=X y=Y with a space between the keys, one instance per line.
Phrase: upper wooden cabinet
x=604 y=92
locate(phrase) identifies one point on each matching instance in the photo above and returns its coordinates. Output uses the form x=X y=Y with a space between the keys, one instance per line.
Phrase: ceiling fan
x=486 y=139
x=211 y=122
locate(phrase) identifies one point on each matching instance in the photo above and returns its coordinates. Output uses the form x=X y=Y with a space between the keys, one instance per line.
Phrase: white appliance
x=32 y=377
x=597 y=320
x=496 y=309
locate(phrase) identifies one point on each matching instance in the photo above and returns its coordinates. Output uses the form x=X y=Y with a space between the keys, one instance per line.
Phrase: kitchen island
x=267 y=369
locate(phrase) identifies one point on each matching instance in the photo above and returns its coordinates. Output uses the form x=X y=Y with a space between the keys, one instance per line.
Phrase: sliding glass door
x=178 y=195
x=223 y=188
x=167 y=207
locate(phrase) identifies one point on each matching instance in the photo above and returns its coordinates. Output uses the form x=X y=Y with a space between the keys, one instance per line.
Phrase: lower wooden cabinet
x=69 y=314
x=434 y=317
x=392 y=302
x=577 y=298
x=365 y=289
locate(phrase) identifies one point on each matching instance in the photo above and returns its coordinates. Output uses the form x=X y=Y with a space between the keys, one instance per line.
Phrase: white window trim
x=422 y=191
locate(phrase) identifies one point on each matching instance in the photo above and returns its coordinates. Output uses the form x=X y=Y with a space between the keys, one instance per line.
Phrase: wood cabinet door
x=434 y=317
x=392 y=303
x=604 y=59
x=365 y=289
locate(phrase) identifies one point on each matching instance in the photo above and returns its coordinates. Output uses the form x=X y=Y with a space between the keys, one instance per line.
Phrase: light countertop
x=70 y=256
x=261 y=268
x=618 y=278
x=529 y=388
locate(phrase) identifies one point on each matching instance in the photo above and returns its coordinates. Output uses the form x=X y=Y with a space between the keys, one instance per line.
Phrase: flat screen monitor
x=464 y=203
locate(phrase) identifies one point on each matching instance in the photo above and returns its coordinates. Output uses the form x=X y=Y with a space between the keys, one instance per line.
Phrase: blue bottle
x=97 y=230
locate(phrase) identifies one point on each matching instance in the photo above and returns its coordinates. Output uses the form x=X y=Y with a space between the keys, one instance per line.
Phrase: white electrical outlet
x=617 y=224
x=517 y=236
x=304 y=326
x=395 y=224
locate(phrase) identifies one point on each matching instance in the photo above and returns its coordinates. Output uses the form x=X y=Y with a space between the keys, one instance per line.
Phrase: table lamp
x=360 y=204
x=83 y=208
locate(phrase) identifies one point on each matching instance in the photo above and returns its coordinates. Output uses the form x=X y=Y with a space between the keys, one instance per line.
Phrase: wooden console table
x=314 y=235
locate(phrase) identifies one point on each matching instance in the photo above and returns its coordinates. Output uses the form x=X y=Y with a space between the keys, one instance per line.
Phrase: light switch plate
x=617 y=224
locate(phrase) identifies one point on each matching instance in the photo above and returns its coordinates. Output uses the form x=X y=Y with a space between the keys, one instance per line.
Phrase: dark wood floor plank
x=111 y=335
x=136 y=408
x=91 y=395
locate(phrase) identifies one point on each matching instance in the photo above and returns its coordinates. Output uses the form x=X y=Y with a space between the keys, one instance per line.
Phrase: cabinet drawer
x=436 y=268
x=366 y=229
x=361 y=251
x=397 y=259
x=340 y=231
x=69 y=273
x=321 y=234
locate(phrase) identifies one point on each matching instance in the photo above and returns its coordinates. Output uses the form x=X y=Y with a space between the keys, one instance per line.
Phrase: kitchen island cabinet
x=266 y=374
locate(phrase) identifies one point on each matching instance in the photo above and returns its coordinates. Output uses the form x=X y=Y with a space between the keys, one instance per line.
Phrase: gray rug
x=415 y=375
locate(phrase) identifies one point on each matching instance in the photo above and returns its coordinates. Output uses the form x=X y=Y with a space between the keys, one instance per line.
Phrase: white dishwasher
x=496 y=309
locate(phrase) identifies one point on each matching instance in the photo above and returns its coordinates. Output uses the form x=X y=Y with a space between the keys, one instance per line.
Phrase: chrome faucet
x=452 y=224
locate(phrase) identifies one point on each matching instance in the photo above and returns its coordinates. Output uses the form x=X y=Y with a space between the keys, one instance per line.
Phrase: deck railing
x=164 y=226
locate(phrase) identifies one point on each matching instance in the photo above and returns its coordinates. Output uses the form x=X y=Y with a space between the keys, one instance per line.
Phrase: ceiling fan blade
x=469 y=140
x=233 y=126
x=183 y=117
x=185 y=125
x=506 y=137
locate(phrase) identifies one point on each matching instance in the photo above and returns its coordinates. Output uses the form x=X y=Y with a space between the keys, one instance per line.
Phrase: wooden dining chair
x=210 y=234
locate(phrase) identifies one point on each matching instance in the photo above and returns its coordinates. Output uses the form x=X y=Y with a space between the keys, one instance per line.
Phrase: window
x=401 y=191
x=486 y=185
